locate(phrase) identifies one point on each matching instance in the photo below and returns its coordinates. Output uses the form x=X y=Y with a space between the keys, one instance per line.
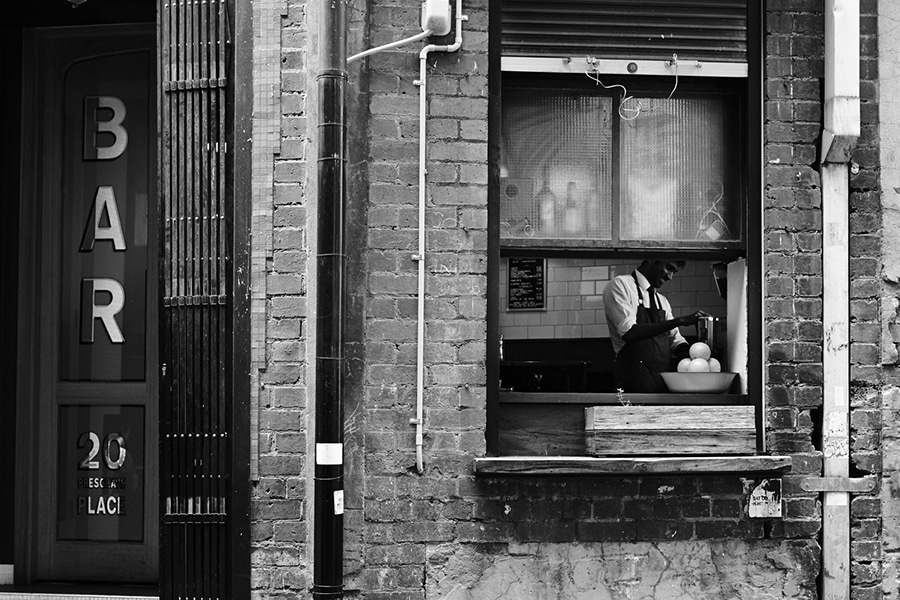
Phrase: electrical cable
x=625 y=97
x=673 y=63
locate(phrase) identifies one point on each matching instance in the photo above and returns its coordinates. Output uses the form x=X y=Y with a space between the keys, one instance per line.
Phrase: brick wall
x=889 y=120
x=279 y=556
x=794 y=282
x=446 y=533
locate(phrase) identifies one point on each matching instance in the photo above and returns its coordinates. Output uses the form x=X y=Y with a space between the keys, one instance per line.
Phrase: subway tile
x=540 y=333
x=567 y=274
x=528 y=319
x=596 y=273
x=557 y=289
x=582 y=317
x=567 y=331
x=555 y=317
x=592 y=302
x=514 y=333
x=567 y=303
x=581 y=288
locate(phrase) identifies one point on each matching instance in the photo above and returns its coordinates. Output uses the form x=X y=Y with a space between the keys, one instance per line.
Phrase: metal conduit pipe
x=418 y=420
x=397 y=44
x=328 y=495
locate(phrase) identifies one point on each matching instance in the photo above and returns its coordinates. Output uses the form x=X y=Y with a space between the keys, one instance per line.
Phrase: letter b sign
x=112 y=126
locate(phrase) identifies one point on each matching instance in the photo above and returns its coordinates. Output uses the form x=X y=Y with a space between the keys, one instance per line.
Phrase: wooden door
x=90 y=306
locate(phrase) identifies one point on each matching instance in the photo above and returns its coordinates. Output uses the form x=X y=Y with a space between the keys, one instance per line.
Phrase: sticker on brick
x=765 y=500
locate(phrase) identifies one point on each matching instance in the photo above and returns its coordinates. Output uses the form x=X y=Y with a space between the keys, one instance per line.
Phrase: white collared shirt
x=620 y=300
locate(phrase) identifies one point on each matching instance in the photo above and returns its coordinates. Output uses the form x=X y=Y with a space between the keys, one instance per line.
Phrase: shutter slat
x=694 y=30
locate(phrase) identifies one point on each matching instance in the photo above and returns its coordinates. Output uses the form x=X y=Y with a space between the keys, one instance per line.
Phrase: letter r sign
x=91 y=310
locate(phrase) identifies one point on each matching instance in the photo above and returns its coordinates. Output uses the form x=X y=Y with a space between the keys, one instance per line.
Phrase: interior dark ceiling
x=60 y=13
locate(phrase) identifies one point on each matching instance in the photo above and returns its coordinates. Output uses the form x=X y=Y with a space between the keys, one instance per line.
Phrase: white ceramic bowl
x=699 y=383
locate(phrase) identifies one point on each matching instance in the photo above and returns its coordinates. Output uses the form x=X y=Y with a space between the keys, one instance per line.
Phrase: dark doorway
x=46 y=404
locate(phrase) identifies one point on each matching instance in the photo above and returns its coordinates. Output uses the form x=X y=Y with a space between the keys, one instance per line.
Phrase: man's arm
x=645 y=331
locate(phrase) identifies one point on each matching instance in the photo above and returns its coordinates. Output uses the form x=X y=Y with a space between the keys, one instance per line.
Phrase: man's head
x=658 y=272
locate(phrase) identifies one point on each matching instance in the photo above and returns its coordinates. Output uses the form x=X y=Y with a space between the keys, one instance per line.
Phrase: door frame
x=39 y=262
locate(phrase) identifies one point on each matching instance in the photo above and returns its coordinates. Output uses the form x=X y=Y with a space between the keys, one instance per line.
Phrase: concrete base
x=688 y=570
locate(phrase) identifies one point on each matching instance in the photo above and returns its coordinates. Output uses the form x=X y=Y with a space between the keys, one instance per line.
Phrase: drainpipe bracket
x=837 y=148
x=851 y=485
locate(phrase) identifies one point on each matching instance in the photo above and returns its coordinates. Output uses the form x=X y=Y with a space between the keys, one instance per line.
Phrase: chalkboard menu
x=526 y=284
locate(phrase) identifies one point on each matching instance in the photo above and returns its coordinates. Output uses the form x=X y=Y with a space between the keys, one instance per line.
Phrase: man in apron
x=642 y=328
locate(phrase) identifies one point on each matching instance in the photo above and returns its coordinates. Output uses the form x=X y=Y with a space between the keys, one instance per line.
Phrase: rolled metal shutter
x=704 y=30
x=196 y=408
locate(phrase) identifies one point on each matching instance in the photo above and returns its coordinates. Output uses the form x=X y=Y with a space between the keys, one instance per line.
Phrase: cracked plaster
x=689 y=570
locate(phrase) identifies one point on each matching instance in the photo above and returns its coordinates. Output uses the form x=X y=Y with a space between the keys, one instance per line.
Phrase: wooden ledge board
x=587 y=465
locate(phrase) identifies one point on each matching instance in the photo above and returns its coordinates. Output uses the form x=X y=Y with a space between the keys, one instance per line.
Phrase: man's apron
x=639 y=363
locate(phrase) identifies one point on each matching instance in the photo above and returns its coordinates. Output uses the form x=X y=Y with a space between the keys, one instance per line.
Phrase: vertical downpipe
x=328 y=510
x=841 y=127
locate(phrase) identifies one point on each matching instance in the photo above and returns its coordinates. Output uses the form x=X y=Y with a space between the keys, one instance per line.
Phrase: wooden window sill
x=669 y=465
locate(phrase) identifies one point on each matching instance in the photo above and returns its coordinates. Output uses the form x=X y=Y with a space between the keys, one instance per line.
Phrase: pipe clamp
x=851 y=485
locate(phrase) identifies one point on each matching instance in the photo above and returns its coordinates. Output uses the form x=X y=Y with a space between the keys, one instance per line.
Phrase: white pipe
x=418 y=421
x=840 y=130
x=409 y=40
x=841 y=119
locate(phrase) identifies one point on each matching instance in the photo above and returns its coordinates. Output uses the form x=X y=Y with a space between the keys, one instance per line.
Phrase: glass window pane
x=556 y=165
x=680 y=171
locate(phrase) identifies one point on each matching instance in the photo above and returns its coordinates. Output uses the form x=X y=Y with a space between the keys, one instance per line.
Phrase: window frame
x=753 y=198
x=640 y=87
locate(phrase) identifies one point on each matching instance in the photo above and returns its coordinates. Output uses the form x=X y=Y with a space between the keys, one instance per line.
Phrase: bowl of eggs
x=699 y=374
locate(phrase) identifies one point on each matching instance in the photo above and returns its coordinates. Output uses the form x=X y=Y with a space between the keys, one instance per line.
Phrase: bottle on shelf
x=546 y=205
x=572 y=221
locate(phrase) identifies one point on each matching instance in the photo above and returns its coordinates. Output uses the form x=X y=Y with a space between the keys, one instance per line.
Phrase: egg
x=700 y=350
x=683 y=365
x=698 y=365
x=715 y=366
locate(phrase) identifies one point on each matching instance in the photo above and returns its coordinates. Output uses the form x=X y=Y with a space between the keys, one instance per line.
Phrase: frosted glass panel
x=556 y=166
x=679 y=181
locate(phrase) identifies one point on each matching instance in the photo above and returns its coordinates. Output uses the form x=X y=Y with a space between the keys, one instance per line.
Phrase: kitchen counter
x=545 y=375
x=599 y=399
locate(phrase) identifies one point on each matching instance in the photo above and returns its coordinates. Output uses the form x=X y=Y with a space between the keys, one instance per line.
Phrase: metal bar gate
x=196 y=324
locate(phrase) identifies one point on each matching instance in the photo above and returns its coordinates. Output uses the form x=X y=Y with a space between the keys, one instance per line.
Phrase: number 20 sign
x=101 y=472
x=113 y=440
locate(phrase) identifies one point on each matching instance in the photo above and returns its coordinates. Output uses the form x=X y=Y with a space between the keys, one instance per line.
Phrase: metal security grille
x=196 y=429
x=705 y=30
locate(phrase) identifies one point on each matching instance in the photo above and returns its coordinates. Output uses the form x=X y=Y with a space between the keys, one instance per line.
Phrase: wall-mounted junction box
x=436 y=16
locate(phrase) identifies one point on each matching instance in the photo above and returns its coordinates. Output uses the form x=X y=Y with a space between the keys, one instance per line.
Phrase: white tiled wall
x=575 y=302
